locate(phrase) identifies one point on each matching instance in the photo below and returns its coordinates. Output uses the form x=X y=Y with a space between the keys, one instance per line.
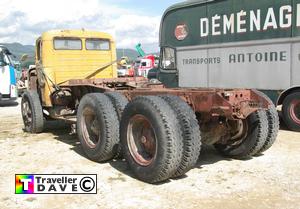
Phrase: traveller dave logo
x=24 y=184
x=55 y=184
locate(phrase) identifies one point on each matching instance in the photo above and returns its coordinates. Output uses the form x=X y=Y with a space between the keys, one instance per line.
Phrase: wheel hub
x=141 y=140
x=26 y=113
x=295 y=111
x=90 y=127
x=239 y=133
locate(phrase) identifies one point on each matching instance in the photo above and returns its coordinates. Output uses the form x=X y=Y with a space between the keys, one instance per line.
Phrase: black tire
x=291 y=111
x=253 y=140
x=273 y=124
x=165 y=132
x=191 y=135
x=119 y=101
x=98 y=127
x=32 y=112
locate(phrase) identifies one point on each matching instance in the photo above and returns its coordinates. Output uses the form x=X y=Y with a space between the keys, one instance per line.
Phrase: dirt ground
x=268 y=181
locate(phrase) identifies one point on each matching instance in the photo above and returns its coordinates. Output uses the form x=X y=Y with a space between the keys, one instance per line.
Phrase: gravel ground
x=268 y=181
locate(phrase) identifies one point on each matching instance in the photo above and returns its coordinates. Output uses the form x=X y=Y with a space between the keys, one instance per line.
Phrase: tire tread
x=107 y=151
x=37 y=112
x=191 y=135
x=166 y=167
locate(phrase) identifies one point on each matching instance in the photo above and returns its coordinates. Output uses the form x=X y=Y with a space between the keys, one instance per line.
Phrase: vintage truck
x=158 y=130
x=238 y=44
x=8 y=80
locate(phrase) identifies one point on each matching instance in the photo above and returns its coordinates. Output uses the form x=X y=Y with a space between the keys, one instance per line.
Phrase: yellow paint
x=63 y=65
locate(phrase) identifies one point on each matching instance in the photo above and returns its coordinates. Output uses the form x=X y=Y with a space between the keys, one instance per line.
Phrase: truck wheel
x=98 y=127
x=291 y=111
x=273 y=124
x=119 y=101
x=250 y=139
x=191 y=135
x=32 y=112
x=151 y=139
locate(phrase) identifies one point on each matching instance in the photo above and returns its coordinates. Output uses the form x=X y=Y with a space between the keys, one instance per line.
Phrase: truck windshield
x=97 y=44
x=67 y=44
x=168 y=59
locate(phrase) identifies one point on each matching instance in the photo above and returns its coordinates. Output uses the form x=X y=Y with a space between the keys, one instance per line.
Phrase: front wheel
x=32 y=112
x=291 y=111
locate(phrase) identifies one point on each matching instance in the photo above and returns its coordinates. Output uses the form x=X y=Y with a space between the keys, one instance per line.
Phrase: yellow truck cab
x=71 y=54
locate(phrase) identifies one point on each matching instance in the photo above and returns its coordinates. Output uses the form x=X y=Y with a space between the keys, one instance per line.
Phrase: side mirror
x=24 y=57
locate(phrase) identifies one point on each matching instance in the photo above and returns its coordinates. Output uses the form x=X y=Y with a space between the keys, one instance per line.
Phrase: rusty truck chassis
x=232 y=104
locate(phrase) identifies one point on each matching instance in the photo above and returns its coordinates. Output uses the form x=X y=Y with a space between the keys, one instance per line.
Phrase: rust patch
x=232 y=104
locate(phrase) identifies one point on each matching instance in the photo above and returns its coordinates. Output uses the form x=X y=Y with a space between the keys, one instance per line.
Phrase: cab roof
x=186 y=4
x=49 y=35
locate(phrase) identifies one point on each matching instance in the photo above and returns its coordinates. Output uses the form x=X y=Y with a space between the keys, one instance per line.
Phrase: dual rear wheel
x=160 y=136
x=98 y=119
x=254 y=135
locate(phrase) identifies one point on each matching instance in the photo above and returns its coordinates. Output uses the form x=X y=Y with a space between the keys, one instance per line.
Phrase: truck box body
x=235 y=43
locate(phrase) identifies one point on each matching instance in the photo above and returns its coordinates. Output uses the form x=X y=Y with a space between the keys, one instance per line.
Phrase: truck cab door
x=168 y=73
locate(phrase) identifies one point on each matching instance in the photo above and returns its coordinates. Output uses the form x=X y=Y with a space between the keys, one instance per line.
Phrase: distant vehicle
x=122 y=71
x=147 y=63
x=130 y=71
x=8 y=81
x=125 y=71
x=144 y=67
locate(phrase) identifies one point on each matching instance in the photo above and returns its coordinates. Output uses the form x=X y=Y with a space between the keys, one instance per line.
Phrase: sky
x=129 y=21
